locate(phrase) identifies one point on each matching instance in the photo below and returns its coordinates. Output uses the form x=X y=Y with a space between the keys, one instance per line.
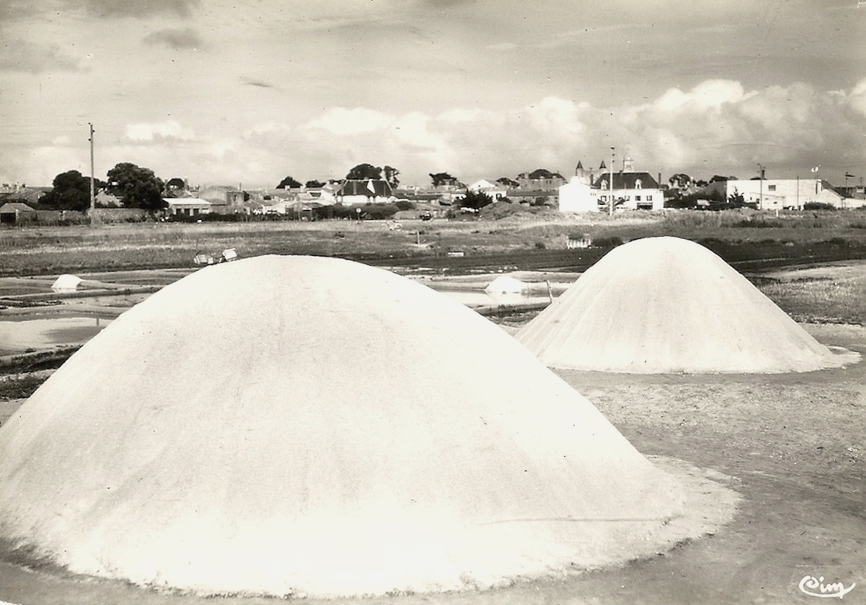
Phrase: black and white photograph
x=458 y=302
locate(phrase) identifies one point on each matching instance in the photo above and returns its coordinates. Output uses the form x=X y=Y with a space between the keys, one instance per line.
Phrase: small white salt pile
x=505 y=284
x=666 y=305
x=312 y=426
x=66 y=283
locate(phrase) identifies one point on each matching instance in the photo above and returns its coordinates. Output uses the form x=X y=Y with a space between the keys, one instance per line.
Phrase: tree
x=174 y=186
x=504 y=180
x=365 y=171
x=736 y=199
x=288 y=183
x=442 y=178
x=138 y=187
x=475 y=200
x=391 y=176
x=314 y=184
x=71 y=191
x=680 y=181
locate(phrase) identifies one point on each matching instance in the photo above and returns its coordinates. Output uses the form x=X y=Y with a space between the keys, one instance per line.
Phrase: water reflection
x=479 y=298
x=19 y=335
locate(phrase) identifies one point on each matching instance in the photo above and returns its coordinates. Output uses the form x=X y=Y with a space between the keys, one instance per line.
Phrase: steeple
x=627 y=163
x=581 y=175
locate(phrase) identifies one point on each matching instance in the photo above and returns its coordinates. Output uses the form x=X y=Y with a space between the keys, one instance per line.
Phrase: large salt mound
x=664 y=304
x=314 y=426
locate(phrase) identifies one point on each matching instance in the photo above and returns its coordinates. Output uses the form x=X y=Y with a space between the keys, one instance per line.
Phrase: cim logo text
x=815 y=587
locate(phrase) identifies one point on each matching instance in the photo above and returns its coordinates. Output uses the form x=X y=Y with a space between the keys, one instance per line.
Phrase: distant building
x=540 y=180
x=187 y=206
x=22 y=194
x=16 y=213
x=589 y=191
x=776 y=194
x=364 y=191
x=102 y=199
x=495 y=190
x=578 y=196
x=632 y=190
x=225 y=200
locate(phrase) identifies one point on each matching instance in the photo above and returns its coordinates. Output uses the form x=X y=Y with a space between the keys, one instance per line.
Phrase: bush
x=607 y=242
x=818 y=206
x=404 y=205
x=759 y=222
x=475 y=200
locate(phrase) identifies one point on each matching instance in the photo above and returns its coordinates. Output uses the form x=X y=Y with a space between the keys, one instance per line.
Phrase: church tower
x=581 y=173
x=627 y=163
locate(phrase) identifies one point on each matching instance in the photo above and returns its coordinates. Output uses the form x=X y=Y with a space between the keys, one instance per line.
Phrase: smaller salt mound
x=664 y=305
x=66 y=283
x=505 y=284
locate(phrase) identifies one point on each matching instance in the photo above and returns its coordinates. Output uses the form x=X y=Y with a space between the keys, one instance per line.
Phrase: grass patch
x=819 y=298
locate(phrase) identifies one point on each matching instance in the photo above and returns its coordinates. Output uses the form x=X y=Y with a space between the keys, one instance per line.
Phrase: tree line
x=134 y=186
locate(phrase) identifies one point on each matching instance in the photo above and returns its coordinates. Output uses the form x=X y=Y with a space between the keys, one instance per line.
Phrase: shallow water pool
x=19 y=335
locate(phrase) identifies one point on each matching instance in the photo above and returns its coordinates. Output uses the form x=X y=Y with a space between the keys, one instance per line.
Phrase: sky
x=248 y=92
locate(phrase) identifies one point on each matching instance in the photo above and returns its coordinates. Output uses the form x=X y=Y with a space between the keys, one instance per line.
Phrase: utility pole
x=798 y=191
x=610 y=210
x=92 y=185
x=761 y=187
x=848 y=175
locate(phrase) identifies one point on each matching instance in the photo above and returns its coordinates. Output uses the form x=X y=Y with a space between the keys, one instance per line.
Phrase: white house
x=187 y=206
x=578 y=196
x=775 y=194
x=364 y=191
x=494 y=190
x=632 y=190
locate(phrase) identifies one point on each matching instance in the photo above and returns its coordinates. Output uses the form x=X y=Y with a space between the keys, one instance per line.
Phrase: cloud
x=126 y=8
x=144 y=132
x=29 y=57
x=257 y=83
x=857 y=98
x=174 y=38
x=343 y=122
x=715 y=127
x=12 y=10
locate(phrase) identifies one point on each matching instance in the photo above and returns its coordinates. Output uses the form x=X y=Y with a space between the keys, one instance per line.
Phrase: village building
x=103 y=199
x=591 y=191
x=777 y=194
x=187 y=206
x=496 y=191
x=225 y=200
x=364 y=191
x=16 y=213
x=540 y=180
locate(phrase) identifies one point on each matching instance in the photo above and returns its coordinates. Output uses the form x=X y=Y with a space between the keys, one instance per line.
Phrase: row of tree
x=135 y=186
x=360 y=172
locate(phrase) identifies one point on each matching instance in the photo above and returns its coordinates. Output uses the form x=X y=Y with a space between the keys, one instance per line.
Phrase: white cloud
x=146 y=132
x=716 y=127
x=857 y=98
x=343 y=122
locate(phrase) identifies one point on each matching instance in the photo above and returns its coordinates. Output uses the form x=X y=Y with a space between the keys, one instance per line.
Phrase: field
x=523 y=240
x=791 y=445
